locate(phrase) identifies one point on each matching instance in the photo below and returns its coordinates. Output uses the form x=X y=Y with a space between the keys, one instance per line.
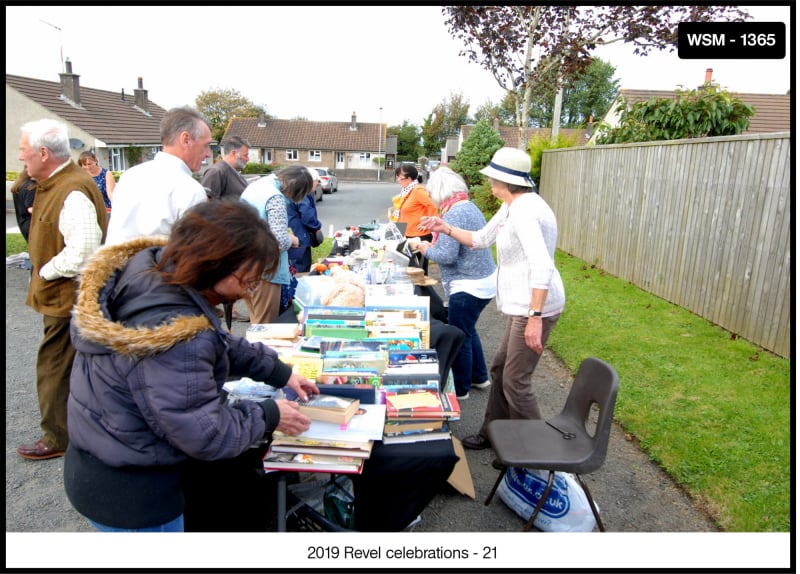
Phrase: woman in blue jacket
x=151 y=359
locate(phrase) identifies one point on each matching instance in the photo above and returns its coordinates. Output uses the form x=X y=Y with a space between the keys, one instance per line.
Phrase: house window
x=116 y=159
x=292 y=155
x=365 y=158
x=314 y=155
x=153 y=152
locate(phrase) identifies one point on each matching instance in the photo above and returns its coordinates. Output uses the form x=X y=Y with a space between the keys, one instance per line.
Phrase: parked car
x=327 y=180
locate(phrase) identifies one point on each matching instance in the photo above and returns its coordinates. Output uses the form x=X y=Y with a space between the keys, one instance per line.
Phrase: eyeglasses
x=250 y=285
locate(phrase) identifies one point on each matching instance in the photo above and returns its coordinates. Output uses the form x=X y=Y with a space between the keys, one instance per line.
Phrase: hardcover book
x=364 y=392
x=329 y=408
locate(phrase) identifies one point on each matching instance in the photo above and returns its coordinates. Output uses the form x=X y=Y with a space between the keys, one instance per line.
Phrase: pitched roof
x=104 y=114
x=510 y=134
x=772 y=111
x=303 y=134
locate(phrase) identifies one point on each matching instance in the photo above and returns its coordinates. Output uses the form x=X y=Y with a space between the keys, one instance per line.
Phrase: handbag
x=317 y=237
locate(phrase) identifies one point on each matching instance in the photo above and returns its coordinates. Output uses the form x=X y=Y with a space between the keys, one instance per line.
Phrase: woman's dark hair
x=296 y=182
x=212 y=240
x=407 y=169
x=86 y=156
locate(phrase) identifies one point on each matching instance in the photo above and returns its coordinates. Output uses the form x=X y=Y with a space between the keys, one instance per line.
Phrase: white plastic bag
x=566 y=510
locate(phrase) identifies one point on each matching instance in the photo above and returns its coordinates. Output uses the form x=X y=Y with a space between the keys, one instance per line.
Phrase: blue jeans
x=175 y=525
x=469 y=365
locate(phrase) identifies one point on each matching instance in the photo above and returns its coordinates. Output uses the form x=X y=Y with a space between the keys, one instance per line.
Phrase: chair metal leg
x=494 y=488
x=541 y=502
x=585 y=488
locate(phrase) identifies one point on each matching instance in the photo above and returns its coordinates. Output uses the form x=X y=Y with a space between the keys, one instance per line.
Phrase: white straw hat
x=510 y=165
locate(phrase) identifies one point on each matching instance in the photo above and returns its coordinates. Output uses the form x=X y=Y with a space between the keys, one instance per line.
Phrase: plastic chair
x=564 y=443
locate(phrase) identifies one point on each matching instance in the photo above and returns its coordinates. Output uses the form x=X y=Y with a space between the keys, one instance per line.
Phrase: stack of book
x=417 y=415
x=403 y=321
x=327 y=446
x=411 y=369
x=352 y=368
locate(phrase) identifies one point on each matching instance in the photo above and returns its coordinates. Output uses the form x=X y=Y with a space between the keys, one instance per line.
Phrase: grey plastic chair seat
x=575 y=441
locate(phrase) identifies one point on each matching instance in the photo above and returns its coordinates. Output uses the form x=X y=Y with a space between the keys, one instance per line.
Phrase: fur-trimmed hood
x=149 y=316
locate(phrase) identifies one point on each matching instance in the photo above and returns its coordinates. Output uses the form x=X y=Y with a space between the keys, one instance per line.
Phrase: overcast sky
x=386 y=64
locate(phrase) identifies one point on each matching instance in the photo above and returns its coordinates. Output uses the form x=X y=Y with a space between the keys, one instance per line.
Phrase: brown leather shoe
x=38 y=451
x=475 y=442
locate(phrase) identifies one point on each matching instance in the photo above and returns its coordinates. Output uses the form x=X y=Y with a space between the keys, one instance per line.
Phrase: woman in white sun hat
x=525 y=232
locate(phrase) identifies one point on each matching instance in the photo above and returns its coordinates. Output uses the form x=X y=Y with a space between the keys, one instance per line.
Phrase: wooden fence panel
x=702 y=223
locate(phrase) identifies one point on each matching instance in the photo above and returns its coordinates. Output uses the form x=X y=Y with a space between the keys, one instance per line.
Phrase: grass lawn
x=714 y=411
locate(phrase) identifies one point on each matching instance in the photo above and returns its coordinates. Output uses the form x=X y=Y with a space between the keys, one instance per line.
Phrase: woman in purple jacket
x=151 y=359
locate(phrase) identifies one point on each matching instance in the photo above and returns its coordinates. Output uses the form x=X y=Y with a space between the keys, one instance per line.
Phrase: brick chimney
x=496 y=124
x=353 y=125
x=261 y=121
x=140 y=98
x=70 y=85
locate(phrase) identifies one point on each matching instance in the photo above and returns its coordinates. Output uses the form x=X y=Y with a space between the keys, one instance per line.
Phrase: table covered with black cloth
x=399 y=481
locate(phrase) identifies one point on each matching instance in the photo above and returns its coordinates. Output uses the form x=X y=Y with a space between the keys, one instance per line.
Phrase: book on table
x=330 y=408
x=395 y=426
x=424 y=403
x=321 y=446
x=417 y=436
x=364 y=392
x=328 y=344
x=307 y=462
x=365 y=425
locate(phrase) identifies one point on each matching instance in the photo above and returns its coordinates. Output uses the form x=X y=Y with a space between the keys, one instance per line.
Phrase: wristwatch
x=534 y=313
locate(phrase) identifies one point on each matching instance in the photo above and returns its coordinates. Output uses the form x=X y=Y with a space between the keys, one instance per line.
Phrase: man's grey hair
x=183 y=119
x=48 y=133
x=234 y=143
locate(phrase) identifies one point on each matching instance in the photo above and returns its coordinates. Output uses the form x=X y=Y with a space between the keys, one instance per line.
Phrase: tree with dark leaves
x=520 y=45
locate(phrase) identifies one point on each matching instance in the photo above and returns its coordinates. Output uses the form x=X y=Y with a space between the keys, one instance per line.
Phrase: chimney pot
x=122 y=95
x=141 y=85
x=709 y=72
x=68 y=66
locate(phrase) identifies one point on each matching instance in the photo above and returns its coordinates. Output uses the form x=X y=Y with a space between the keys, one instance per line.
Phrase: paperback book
x=365 y=425
x=308 y=462
x=329 y=408
x=417 y=436
x=318 y=446
x=401 y=426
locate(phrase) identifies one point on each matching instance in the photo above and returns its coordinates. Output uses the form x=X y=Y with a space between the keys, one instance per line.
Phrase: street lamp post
x=380 y=133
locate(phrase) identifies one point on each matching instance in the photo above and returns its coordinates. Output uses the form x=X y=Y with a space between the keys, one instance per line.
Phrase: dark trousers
x=469 y=366
x=53 y=369
x=511 y=395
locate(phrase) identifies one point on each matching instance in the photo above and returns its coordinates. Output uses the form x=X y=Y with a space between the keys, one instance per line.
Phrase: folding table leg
x=281 y=502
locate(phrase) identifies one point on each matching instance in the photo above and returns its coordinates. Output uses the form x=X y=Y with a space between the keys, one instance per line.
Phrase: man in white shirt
x=68 y=224
x=151 y=196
